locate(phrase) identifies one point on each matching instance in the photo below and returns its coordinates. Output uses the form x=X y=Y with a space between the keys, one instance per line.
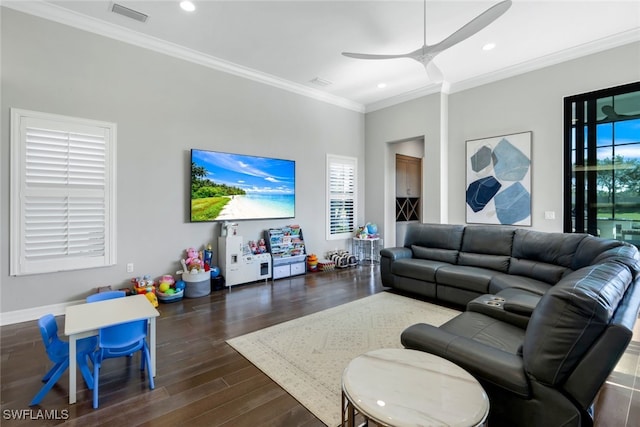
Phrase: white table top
x=91 y=316
x=403 y=387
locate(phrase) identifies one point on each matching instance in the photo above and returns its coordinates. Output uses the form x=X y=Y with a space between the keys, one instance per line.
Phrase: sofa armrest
x=522 y=304
x=485 y=363
x=396 y=253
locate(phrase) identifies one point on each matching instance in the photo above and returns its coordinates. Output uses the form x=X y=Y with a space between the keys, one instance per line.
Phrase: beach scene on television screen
x=227 y=187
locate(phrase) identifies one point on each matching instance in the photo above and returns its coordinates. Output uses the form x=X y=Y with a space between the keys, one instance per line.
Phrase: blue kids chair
x=101 y=296
x=119 y=341
x=58 y=352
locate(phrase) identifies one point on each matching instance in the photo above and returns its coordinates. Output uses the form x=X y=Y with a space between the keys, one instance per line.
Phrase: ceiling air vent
x=320 y=82
x=129 y=13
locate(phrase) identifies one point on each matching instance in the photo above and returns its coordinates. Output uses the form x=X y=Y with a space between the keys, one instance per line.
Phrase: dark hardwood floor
x=203 y=381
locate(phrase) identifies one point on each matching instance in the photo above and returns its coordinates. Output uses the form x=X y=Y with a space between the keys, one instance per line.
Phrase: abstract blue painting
x=498 y=187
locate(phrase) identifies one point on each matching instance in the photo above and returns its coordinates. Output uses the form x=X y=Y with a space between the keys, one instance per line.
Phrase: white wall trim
x=606 y=43
x=67 y=17
x=407 y=96
x=611 y=42
x=34 y=313
x=64 y=16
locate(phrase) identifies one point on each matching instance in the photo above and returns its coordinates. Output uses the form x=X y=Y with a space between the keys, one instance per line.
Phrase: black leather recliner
x=547 y=371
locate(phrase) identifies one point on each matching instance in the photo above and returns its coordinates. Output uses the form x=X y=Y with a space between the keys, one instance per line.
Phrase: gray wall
x=528 y=102
x=163 y=107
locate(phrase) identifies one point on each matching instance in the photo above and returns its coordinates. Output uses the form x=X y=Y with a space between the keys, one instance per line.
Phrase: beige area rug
x=306 y=356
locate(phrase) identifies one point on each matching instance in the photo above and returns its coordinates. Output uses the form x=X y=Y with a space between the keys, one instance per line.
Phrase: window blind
x=63 y=184
x=341 y=194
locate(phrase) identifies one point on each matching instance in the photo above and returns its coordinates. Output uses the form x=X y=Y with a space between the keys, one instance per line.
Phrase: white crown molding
x=603 y=44
x=407 y=96
x=64 y=16
x=606 y=43
x=34 y=313
x=73 y=19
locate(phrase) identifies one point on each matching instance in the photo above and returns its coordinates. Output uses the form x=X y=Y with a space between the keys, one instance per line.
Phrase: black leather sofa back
x=570 y=317
x=487 y=247
x=543 y=256
x=590 y=249
x=435 y=236
x=438 y=242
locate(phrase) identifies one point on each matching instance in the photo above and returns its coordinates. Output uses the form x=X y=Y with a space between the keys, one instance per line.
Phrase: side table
x=367 y=250
x=401 y=387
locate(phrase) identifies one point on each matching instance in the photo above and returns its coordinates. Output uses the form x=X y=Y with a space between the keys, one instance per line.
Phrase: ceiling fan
x=426 y=53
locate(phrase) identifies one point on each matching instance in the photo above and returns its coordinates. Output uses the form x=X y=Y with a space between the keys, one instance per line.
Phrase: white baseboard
x=34 y=313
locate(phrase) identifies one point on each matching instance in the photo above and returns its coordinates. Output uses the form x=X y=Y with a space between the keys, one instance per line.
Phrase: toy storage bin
x=169 y=298
x=197 y=284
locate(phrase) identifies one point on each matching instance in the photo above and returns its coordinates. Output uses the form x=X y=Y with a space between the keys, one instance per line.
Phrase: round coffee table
x=400 y=387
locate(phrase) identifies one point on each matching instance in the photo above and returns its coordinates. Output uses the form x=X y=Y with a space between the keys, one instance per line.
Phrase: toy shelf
x=287 y=249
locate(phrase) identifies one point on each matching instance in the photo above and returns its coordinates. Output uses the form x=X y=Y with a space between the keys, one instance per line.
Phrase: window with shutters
x=341 y=196
x=62 y=193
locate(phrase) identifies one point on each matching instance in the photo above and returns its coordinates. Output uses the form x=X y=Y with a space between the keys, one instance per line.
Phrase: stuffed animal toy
x=192 y=253
x=193 y=261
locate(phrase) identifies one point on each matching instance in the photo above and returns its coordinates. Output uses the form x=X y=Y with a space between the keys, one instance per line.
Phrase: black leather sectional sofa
x=547 y=315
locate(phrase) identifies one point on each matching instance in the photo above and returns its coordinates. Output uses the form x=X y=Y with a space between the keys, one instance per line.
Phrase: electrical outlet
x=130 y=267
x=549 y=215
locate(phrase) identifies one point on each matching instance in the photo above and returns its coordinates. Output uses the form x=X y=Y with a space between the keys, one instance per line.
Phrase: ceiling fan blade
x=372 y=56
x=473 y=26
x=433 y=72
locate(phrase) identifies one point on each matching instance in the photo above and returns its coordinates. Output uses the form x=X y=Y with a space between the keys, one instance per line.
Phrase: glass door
x=602 y=163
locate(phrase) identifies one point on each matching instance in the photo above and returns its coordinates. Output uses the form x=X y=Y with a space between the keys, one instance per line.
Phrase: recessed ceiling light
x=187 y=5
x=382 y=85
x=488 y=46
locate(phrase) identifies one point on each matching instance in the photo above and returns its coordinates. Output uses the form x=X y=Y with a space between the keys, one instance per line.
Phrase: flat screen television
x=232 y=187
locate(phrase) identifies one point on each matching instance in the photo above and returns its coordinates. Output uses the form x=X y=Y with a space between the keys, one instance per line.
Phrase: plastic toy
x=312 y=262
x=169 y=290
x=165 y=283
x=215 y=271
x=143 y=285
x=208 y=256
x=152 y=298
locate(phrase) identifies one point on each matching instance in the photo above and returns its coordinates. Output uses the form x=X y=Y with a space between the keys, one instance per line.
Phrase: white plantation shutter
x=62 y=193
x=341 y=196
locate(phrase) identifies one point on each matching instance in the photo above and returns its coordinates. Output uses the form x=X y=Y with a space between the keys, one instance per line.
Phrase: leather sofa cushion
x=570 y=317
x=487 y=247
x=441 y=236
x=500 y=282
x=590 y=249
x=462 y=277
x=488 y=240
x=487 y=330
x=445 y=255
x=420 y=269
x=485 y=362
x=494 y=262
x=625 y=253
x=548 y=273
x=548 y=248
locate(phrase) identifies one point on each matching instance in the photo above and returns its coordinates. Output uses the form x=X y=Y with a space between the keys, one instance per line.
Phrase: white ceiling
x=289 y=43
